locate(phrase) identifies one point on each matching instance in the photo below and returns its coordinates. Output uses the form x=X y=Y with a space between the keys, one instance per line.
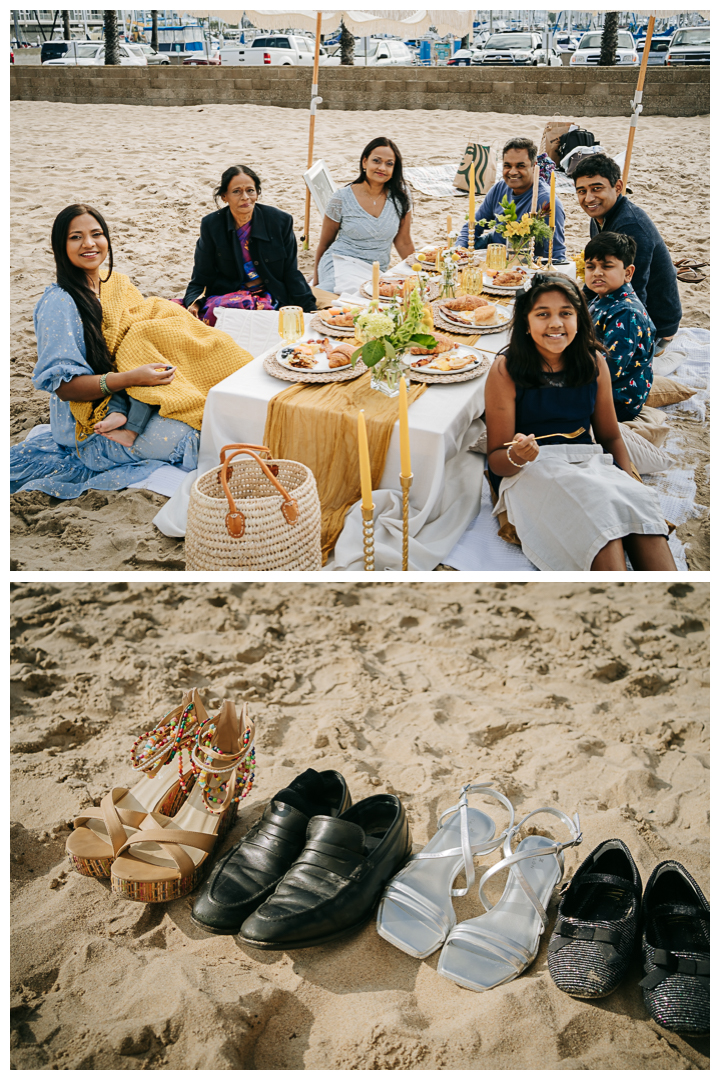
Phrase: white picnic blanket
x=687 y=359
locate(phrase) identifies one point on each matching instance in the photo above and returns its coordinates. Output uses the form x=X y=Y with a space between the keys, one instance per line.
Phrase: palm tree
x=347 y=46
x=154 y=33
x=608 y=44
x=112 y=45
x=66 y=25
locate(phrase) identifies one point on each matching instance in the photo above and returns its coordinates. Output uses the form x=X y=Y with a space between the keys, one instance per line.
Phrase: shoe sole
x=215 y=929
x=285 y=946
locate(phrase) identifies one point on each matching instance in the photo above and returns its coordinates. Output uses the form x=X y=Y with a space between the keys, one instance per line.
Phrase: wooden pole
x=637 y=101
x=314 y=99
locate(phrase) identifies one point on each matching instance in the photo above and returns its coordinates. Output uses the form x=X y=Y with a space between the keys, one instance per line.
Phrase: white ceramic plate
x=474 y=357
x=503 y=316
x=489 y=280
x=321 y=360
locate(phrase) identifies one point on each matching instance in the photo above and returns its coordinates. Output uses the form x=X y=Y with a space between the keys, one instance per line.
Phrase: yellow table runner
x=317 y=425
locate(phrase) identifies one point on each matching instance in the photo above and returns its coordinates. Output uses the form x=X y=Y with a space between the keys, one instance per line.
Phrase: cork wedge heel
x=166 y=858
x=162 y=755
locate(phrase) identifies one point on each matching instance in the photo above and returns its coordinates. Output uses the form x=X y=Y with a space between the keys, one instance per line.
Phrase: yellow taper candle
x=376 y=280
x=471 y=202
x=536 y=185
x=405 y=469
x=552 y=200
x=365 y=478
x=449 y=226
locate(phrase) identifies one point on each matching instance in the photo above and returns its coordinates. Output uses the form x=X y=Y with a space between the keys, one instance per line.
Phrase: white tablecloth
x=444 y=498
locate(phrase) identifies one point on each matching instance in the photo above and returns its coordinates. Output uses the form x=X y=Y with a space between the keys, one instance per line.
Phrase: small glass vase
x=385 y=376
x=520 y=254
x=447 y=282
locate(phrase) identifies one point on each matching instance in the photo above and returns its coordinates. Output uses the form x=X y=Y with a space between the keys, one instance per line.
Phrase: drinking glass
x=496 y=256
x=472 y=280
x=291 y=324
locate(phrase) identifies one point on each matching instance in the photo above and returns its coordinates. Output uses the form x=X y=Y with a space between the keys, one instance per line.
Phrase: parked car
x=55 y=50
x=517 y=49
x=154 y=57
x=285 y=50
x=464 y=56
x=200 y=59
x=382 y=52
x=93 y=55
x=588 y=50
x=658 y=50
x=689 y=46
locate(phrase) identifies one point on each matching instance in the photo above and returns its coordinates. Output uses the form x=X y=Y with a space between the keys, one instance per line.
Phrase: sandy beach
x=151 y=172
x=588 y=698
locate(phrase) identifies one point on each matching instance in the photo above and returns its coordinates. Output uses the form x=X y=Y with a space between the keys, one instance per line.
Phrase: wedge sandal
x=416 y=912
x=168 y=857
x=496 y=947
x=100 y=832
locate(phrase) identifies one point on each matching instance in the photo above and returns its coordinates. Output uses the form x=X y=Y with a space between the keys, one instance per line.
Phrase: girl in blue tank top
x=574 y=502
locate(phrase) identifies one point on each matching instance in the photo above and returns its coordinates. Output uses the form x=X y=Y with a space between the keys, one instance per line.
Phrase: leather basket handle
x=235 y=519
x=246 y=446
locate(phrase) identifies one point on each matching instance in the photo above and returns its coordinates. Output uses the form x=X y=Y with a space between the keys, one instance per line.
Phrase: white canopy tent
x=362 y=23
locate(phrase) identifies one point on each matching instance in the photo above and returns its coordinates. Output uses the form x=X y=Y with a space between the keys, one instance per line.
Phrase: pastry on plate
x=444 y=344
x=509 y=277
x=482 y=316
x=340 y=355
x=465 y=303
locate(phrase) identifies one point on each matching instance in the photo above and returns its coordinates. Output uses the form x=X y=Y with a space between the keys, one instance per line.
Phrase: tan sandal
x=100 y=832
x=166 y=858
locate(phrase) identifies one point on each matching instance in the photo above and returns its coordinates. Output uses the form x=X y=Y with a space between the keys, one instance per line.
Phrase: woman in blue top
x=574 y=504
x=364 y=219
x=73 y=362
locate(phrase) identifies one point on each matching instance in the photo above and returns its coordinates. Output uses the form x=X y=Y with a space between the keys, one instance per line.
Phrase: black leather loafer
x=249 y=872
x=335 y=883
x=676 y=951
x=598 y=923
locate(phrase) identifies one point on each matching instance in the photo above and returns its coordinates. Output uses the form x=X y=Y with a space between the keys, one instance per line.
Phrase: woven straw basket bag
x=253 y=515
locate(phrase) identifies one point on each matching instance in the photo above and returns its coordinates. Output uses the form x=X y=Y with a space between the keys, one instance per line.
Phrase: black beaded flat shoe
x=676 y=950
x=596 y=932
x=248 y=873
x=336 y=882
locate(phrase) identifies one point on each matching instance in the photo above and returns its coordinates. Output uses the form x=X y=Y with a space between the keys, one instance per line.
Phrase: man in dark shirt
x=598 y=187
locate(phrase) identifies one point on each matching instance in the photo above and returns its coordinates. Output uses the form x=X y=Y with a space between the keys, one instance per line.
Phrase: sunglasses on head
x=542 y=279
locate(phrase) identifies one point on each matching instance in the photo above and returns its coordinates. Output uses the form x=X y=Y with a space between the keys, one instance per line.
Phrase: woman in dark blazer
x=246 y=256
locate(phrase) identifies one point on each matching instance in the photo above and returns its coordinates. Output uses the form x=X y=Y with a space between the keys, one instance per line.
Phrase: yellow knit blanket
x=142 y=331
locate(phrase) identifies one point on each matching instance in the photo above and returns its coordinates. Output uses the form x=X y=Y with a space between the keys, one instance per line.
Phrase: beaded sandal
x=100 y=832
x=168 y=857
x=496 y=947
x=416 y=912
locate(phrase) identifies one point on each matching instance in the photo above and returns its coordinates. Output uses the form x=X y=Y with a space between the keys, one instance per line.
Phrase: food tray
x=340 y=332
x=276 y=369
x=457 y=328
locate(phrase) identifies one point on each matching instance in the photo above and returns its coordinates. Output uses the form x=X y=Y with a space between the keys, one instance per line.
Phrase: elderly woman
x=113 y=421
x=246 y=256
x=366 y=218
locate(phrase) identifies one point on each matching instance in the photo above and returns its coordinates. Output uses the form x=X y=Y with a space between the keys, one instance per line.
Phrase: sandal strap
x=513 y=860
x=418 y=905
x=176 y=730
x=671 y=963
x=625 y=884
x=172 y=842
x=114 y=819
x=501 y=948
x=466 y=849
x=220 y=773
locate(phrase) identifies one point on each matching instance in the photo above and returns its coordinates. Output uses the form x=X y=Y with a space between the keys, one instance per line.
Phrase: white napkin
x=256 y=331
x=350 y=273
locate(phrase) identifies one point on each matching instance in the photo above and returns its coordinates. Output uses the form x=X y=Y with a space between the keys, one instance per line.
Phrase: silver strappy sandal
x=416 y=912
x=496 y=947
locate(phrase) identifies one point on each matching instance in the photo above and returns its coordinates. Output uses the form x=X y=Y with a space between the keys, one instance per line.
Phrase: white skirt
x=572 y=501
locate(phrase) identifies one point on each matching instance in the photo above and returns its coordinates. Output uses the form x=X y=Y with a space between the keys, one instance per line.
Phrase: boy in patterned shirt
x=622 y=324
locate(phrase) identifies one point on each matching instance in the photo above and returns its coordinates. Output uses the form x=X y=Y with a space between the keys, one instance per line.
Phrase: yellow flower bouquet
x=519 y=233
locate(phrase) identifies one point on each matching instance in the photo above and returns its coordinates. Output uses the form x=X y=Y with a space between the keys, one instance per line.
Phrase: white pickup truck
x=288 y=50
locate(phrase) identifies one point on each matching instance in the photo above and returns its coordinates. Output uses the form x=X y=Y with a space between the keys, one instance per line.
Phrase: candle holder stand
x=368 y=538
x=406 y=484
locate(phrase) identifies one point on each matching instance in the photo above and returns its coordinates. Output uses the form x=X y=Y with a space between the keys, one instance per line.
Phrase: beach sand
x=151 y=172
x=587 y=698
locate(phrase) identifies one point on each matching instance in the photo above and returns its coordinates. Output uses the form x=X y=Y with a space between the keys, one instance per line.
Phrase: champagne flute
x=291 y=324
